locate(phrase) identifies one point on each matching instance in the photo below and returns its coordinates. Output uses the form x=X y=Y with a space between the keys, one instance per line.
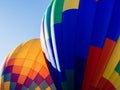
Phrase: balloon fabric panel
x=71 y=4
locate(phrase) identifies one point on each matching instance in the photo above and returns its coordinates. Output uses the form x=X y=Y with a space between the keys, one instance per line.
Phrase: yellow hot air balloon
x=26 y=68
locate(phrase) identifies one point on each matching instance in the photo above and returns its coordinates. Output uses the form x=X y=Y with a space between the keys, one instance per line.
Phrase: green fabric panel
x=47 y=19
x=70 y=79
x=64 y=86
x=57 y=8
x=117 y=69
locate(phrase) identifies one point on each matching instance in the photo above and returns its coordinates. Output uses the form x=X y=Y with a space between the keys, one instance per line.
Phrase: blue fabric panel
x=87 y=10
x=59 y=45
x=69 y=26
x=55 y=74
x=33 y=86
x=51 y=52
x=114 y=27
x=102 y=20
x=23 y=88
x=86 y=15
x=79 y=72
x=12 y=85
x=58 y=77
x=7 y=77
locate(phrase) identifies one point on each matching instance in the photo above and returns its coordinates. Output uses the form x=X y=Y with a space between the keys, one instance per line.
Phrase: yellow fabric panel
x=1 y=79
x=117 y=82
x=12 y=55
x=25 y=71
x=34 y=50
x=48 y=88
x=28 y=63
x=113 y=79
x=6 y=85
x=114 y=59
x=37 y=88
x=36 y=66
x=118 y=88
x=2 y=83
x=24 y=50
x=70 y=4
x=15 y=51
x=41 y=59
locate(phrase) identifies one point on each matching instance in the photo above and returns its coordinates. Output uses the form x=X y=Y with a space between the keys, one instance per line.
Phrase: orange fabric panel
x=10 y=62
x=44 y=72
x=37 y=88
x=21 y=79
x=17 y=69
x=19 y=62
x=32 y=74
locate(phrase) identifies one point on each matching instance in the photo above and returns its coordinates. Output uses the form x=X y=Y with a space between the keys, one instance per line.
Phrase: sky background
x=19 y=21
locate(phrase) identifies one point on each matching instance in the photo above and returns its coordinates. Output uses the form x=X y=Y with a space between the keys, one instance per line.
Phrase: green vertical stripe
x=47 y=19
x=57 y=8
x=64 y=86
x=70 y=79
x=117 y=69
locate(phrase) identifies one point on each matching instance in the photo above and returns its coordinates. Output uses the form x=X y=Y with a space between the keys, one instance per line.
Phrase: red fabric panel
x=108 y=86
x=101 y=83
x=93 y=57
x=104 y=58
x=93 y=88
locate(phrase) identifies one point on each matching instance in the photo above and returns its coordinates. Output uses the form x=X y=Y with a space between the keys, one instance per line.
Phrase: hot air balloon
x=80 y=39
x=25 y=68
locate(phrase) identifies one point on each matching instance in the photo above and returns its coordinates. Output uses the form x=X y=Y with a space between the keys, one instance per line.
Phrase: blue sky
x=19 y=21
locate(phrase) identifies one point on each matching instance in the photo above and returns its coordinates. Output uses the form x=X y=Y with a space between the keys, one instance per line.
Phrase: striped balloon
x=79 y=39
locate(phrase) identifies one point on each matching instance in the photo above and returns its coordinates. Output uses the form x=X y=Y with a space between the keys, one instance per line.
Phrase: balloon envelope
x=26 y=68
x=78 y=38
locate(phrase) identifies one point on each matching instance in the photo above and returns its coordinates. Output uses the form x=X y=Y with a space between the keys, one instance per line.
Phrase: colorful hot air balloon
x=79 y=38
x=80 y=49
x=25 y=68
